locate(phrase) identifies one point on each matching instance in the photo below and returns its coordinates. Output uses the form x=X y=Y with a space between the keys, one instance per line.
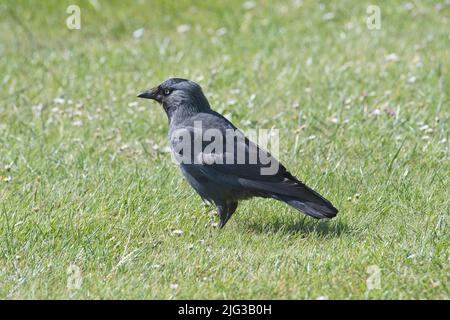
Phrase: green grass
x=85 y=180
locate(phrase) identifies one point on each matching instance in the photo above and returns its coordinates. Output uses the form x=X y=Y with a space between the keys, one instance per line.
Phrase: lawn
x=91 y=205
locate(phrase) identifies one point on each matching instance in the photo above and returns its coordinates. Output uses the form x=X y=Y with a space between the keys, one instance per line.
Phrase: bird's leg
x=222 y=211
x=232 y=206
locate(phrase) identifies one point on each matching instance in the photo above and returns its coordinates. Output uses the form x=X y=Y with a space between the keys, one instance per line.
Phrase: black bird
x=213 y=176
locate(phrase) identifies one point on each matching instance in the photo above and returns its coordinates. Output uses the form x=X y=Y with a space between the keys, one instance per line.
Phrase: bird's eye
x=166 y=91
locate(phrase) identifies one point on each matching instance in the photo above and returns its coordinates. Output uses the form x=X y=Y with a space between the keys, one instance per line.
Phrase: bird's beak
x=149 y=94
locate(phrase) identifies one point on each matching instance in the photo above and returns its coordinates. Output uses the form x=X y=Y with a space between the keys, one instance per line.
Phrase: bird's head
x=177 y=94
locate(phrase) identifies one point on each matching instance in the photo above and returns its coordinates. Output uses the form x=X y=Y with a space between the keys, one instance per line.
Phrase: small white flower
x=328 y=16
x=174 y=286
x=138 y=33
x=375 y=112
x=59 y=100
x=231 y=102
x=183 y=28
x=166 y=149
x=124 y=147
x=247 y=5
x=412 y=79
x=37 y=109
x=177 y=232
x=392 y=57
x=221 y=32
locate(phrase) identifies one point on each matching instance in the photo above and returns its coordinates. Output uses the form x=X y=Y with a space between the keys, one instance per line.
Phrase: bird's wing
x=230 y=154
x=245 y=165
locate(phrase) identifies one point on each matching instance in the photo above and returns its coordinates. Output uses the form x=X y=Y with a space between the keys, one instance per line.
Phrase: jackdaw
x=225 y=176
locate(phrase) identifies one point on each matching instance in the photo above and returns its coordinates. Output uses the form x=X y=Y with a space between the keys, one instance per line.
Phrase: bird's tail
x=298 y=195
x=318 y=208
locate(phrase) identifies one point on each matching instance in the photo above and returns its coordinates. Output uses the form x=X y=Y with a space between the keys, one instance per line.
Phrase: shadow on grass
x=303 y=226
